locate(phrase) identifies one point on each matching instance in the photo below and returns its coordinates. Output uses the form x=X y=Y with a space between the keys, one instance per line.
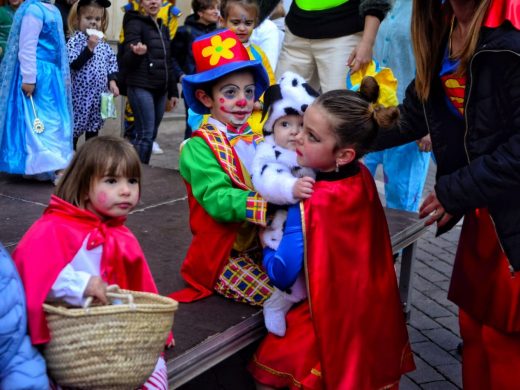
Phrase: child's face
x=15 y=3
x=232 y=99
x=286 y=129
x=209 y=15
x=151 y=7
x=90 y=16
x=316 y=144
x=112 y=196
x=241 y=21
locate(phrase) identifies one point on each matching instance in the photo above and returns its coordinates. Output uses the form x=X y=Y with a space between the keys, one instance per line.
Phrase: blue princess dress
x=23 y=150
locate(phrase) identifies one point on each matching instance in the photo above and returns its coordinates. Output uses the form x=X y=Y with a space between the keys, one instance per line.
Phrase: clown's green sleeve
x=214 y=190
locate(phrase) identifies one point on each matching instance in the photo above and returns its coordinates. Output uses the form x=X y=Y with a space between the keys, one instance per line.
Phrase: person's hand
x=434 y=209
x=171 y=104
x=28 y=89
x=113 y=88
x=303 y=188
x=92 y=42
x=139 y=49
x=258 y=106
x=425 y=143
x=171 y=344
x=96 y=288
x=360 y=56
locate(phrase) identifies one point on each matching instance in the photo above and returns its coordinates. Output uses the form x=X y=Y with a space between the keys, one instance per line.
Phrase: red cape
x=354 y=299
x=502 y=10
x=351 y=333
x=52 y=242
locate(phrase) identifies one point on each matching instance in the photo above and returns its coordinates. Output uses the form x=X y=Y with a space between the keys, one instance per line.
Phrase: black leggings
x=88 y=135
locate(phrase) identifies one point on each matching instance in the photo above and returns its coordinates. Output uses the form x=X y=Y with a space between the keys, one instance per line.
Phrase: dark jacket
x=182 y=53
x=478 y=158
x=153 y=70
x=344 y=19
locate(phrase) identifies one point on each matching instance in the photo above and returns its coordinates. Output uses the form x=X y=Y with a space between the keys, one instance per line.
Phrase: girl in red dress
x=350 y=333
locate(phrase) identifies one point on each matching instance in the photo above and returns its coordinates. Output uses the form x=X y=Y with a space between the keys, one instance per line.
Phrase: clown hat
x=218 y=54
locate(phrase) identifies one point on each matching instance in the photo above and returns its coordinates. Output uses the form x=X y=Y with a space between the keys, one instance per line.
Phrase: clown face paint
x=112 y=196
x=241 y=21
x=233 y=98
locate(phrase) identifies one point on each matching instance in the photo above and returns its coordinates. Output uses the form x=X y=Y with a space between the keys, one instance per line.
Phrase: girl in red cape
x=350 y=333
x=80 y=244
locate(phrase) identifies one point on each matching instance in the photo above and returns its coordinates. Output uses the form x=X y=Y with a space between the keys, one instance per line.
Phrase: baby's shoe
x=275 y=309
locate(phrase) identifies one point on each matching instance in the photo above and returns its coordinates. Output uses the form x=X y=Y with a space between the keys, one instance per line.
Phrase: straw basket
x=108 y=347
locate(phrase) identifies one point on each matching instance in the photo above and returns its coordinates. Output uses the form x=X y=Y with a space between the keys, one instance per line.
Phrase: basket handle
x=113 y=296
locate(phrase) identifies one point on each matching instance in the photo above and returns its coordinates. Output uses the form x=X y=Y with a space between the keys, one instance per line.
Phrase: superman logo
x=454 y=89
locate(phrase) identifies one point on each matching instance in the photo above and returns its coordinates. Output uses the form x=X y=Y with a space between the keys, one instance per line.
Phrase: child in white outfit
x=280 y=180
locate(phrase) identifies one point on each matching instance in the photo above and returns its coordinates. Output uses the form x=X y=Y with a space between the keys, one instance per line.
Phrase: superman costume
x=351 y=333
x=52 y=242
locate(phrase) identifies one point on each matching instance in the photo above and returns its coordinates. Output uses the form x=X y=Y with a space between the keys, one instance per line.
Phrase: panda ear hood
x=271 y=95
x=291 y=96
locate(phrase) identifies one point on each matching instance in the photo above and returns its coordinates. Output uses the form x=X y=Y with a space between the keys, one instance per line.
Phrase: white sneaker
x=156 y=149
x=275 y=309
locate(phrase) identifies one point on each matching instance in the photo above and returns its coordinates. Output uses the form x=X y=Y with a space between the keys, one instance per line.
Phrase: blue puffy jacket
x=21 y=365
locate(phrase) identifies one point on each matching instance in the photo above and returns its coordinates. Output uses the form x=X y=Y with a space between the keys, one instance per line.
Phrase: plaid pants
x=244 y=281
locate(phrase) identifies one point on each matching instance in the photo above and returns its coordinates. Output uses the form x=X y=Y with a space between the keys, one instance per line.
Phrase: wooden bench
x=207 y=331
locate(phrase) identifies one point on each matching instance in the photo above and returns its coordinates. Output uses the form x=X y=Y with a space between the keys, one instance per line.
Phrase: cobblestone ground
x=433 y=326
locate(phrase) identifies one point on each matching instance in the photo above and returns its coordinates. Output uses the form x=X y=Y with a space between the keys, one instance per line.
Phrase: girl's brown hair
x=98 y=157
x=249 y=5
x=201 y=5
x=74 y=14
x=354 y=117
x=431 y=22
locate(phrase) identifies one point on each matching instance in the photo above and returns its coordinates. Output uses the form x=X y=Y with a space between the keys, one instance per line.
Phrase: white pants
x=322 y=62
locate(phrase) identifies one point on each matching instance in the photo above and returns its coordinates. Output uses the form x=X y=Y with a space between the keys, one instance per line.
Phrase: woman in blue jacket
x=21 y=365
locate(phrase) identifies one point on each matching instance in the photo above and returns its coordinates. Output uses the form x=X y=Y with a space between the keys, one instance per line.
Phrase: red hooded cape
x=52 y=242
x=502 y=10
x=356 y=328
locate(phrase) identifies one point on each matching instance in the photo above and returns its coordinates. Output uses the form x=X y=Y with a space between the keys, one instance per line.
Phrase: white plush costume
x=275 y=171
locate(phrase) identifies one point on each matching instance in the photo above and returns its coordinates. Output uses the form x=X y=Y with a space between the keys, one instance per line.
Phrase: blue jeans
x=148 y=107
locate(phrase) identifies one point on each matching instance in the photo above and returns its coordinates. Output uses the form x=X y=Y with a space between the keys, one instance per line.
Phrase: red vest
x=212 y=241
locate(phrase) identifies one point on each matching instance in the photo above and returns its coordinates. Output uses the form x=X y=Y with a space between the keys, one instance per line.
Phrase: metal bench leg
x=406 y=278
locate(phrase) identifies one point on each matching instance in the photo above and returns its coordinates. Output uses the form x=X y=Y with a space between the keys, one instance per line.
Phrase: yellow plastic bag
x=384 y=77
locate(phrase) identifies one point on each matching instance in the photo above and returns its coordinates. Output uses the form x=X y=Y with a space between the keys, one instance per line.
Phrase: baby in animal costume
x=281 y=181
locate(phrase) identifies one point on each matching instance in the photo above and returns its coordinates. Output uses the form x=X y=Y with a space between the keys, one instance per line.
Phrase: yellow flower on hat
x=219 y=48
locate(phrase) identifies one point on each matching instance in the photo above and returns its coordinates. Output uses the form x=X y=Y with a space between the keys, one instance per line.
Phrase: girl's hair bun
x=369 y=89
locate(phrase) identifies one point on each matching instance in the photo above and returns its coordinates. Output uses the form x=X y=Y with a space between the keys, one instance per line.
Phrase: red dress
x=52 y=242
x=351 y=334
